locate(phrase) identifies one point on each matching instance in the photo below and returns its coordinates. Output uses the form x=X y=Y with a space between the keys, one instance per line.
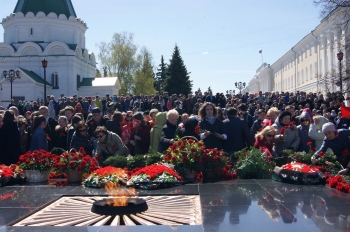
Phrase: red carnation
x=197 y=130
x=309 y=143
x=321 y=153
x=79 y=168
x=173 y=159
x=313 y=149
x=92 y=123
x=71 y=164
x=193 y=149
x=345 y=152
x=81 y=149
x=282 y=131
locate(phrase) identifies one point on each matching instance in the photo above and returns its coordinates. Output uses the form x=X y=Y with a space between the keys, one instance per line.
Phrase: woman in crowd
x=80 y=138
x=156 y=131
x=289 y=139
x=114 y=125
x=315 y=130
x=219 y=114
x=60 y=133
x=189 y=128
x=272 y=114
x=78 y=109
x=169 y=131
x=339 y=142
x=10 y=148
x=22 y=127
x=20 y=107
x=214 y=131
x=141 y=138
x=264 y=139
x=39 y=139
x=72 y=128
x=109 y=144
x=303 y=131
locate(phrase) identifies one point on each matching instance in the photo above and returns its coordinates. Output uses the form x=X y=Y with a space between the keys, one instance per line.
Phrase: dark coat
x=114 y=127
x=79 y=141
x=93 y=125
x=211 y=141
x=10 y=147
x=303 y=132
x=256 y=127
x=238 y=134
x=39 y=140
x=144 y=132
x=60 y=138
x=338 y=144
x=167 y=134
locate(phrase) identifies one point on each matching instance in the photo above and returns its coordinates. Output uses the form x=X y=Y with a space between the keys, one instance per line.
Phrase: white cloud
x=204 y=53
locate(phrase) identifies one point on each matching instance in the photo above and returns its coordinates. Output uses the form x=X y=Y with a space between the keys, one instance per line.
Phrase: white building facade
x=311 y=65
x=52 y=32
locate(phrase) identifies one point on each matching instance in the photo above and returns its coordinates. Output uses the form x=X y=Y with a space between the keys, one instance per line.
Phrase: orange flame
x=118 y=196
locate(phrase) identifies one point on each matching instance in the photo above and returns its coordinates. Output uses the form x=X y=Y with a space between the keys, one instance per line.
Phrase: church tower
x=38 y=30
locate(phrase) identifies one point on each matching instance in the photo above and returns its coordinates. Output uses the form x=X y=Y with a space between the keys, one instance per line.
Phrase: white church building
x=51 y=30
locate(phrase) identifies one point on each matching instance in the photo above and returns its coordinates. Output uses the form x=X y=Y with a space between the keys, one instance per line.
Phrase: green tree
x=199 y=90
x=209 y=89
x=178 y=79
x=105 y=73
x=159 y=83
x=98 y=73
x=119 y=58
x=144 y=75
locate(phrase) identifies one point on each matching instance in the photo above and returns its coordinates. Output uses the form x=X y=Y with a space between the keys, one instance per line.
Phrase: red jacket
x=262 y=144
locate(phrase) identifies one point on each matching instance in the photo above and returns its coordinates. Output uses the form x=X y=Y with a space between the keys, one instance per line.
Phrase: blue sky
x=219 y=40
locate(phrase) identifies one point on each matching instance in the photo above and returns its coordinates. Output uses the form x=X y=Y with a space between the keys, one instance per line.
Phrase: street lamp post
x=240 y=86
x=11 y=76
x=340 y=58
x=44 y=65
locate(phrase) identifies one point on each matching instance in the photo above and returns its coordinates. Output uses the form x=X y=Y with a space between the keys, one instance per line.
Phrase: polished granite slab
x=238 y=205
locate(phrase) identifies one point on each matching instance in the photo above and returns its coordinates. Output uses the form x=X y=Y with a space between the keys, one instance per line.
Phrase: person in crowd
x=97 y=120
x=10 y=148
x=72 y=128
x=51 y=124
x=152 y=115
x=114 y=125
x=79 y=109
x=69 y=112
x=36 y=106
x=51 y=109
x=272 y=115
x=15 y=110
x=289 y=139
x=22 y=127
x=220 y=114
x=1 y=120
x=20 y=107
x=141 y=135
x=315 y=131
x=214 y=130
x=86 y=107
x=80 y=138
x=189 y=128
x=61 y=133
x=109 y=144
x=294 y=118
x=258 y=124
x=169 y=131
x=264 y=139
x=39 y=137
x=247 y=117
x=92 y=105
x=184 y=118
x=237 y=131
x=156 y=131
x=303 y=131
x=340 y=122
x=339 y=142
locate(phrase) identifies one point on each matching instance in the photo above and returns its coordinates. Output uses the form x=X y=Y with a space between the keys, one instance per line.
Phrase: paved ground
x=238 y=205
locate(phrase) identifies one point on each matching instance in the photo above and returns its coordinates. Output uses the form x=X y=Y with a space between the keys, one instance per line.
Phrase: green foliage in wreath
x=137 y=161
x=116 y=161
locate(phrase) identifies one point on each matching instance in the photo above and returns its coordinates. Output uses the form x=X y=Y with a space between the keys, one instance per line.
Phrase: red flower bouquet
x=74 y=160
x=10 y=174
x=39 y=160
x=154 y=176
x=100 y=177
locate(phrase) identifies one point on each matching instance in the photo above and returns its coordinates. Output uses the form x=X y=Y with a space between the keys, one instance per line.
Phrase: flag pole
x=262 y=58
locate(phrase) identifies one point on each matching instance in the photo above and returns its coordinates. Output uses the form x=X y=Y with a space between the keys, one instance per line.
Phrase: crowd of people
x=130 y=125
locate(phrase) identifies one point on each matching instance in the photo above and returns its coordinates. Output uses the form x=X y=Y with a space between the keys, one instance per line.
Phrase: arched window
x=54 y=80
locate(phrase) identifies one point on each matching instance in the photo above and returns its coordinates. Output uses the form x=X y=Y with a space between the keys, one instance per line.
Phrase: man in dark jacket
x=247 y=118
x=258 y=124
x=238 y=136
x=94 y=122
